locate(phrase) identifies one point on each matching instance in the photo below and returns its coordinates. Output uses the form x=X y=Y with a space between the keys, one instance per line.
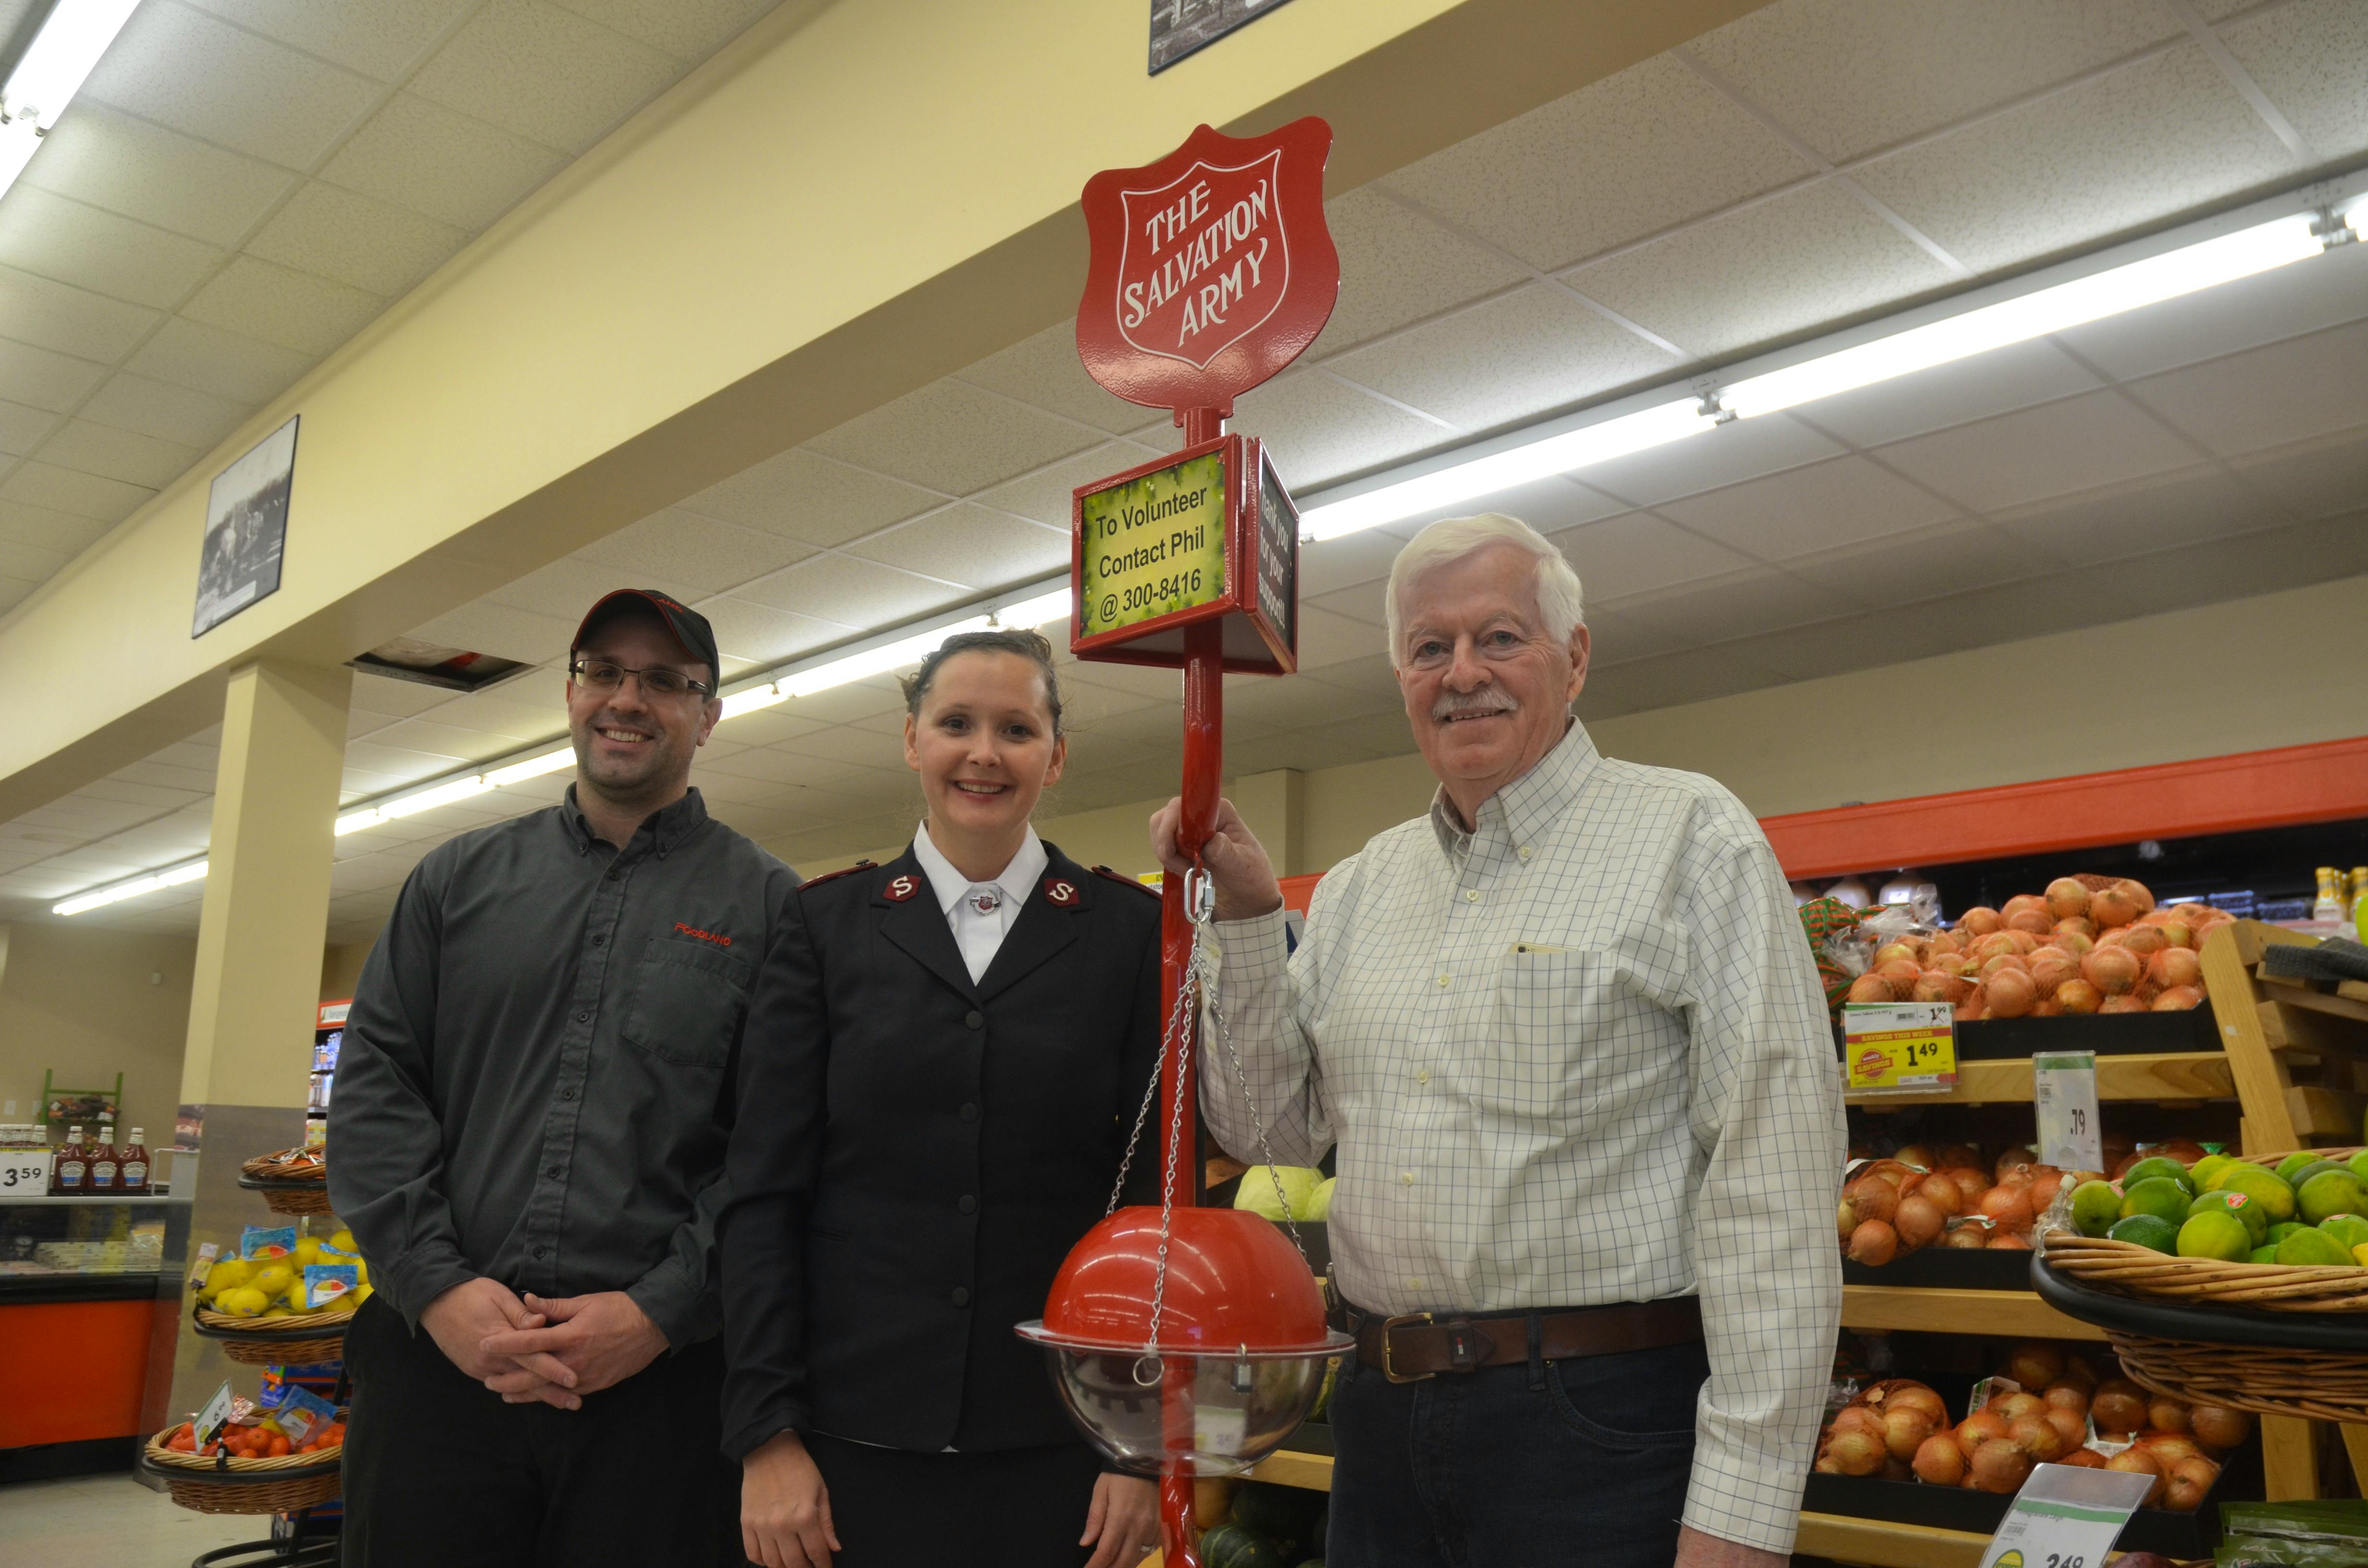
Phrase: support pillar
x=1275 y=806
x=260 y=935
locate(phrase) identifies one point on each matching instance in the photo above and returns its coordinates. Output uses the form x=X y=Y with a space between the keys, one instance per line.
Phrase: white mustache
x=1474 y=704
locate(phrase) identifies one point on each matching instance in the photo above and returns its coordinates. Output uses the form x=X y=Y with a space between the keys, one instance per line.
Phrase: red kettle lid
x=1234 y=1280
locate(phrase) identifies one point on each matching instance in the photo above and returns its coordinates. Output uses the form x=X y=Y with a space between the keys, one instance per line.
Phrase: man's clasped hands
x=555 y=1350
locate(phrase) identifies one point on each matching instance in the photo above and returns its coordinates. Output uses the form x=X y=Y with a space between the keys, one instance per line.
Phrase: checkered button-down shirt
x=1573 y=1057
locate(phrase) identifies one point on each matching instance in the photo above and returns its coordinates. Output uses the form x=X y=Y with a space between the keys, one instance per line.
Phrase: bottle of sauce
x=71 y=1174
x=2329 y=906
x=104 y=1166
x=132 y=1163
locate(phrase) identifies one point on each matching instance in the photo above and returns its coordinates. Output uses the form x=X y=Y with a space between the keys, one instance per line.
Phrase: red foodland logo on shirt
x=702 y=935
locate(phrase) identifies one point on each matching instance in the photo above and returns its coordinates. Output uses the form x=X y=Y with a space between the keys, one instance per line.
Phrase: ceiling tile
x=1848 y=77
x=513 y=633
x=2162 y=137
x=687 y=29
x=1048 y=494
x=1319 y=431
x=2032 y=608
x=2142 y=515
x=295 y=310
x=1740 y=450
x=91 y=249
x=864 y=699
x=1806 y=509
x=1352 y=558
x=530 y=708
x=169 y=412
x=2313 y=479
x=802 y=497
x=685 y=547
x=1639 y=553
x=384 y=694
x=571 y=585
x=63 y=531
x=1694 y=676
x=104 y=158
x=209 y=360
x=1805 y=259
x=2002 y=379
x=2324 y=290
x=972 y=546
x=1396 y=267
x=1627 y=156
x=382 y=38
x=844 y=589
x=2310 y=58
x=2072 y=445
x=952 y=438
x=2299 y=555
x=545 y=74
x=1926 y=564
x=2266 y=397
x=64 y=490
x=23 y=428
x=1617 y=637
x=193 y=72
x=118 y=454
x=369 y=245
x=30 y=563
x=424 y=157
x=43 y=380
x=1742 y=605
x=1515 y=357
x=72 y=321
x=1045 y=369
x=1328 y=638
x=759 y=634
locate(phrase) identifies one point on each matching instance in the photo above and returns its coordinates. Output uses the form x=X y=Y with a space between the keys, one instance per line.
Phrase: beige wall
x=2245 y=676
x=341 y=970
x=92 y=1004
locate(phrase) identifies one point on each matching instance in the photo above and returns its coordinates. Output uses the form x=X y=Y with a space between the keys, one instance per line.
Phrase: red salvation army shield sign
x=1212 y=268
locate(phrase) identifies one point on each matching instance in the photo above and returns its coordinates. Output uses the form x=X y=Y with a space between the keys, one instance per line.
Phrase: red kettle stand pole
x=1204 y=760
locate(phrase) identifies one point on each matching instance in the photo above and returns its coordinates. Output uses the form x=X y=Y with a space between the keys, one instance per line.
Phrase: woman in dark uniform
x=943 y=1058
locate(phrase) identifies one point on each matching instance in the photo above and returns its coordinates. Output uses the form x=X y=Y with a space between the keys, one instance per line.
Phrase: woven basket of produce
x=292 y=1181
x=222 y=1483
x=301 y=1339
x=2266 y=1287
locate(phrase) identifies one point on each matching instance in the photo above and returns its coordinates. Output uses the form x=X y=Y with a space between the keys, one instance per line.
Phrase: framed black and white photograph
x=1180 y=27
x=247 y=530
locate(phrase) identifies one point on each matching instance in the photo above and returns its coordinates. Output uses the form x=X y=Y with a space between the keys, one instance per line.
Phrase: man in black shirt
x=528 y=1132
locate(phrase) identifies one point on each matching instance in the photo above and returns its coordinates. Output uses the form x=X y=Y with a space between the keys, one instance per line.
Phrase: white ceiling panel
x=1511 y=359
x=685 y=547
x=2311 y=58
x=1625 y=157
x=2266 y=397
x=103 y=157
x=380 y=39
x=802 y=497
x=688 y=29
x=67 y=490
x=954 y=438
x=972 y=546
x=28 y=562
x=1045 y=371
x=2069 y=444
x=1742 y=605
x=208 y=359
x=2313 y=479
x=368 y=245
x=841 y=588
x=297 y=311
x=566 y=588
x=38 y=377
x=1394 y=273
x=1640 y=553
x=117 y=454
x=2287 y=303
x=486 y=627
x=94 y=249
x=1995 y=382
x=163 y=410
x=1048 y=494
x=1820 y=507
x=1745 y=448
x=2161 y=136
x=542 y=73
x=192 y=72
x=2143 y=516
x=1320 y=430
x=749 y=633
x=22 y=428
x=1848 y=77
x=1928 y=564
x=1811 y=256
x=59 y=316
x=1674 y=678
x=452 y=168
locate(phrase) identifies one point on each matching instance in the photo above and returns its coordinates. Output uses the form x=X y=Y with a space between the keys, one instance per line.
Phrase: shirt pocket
x=1573 y=1039
x=685 y=1003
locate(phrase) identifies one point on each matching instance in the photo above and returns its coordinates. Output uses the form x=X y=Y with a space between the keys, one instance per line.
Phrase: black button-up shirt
x=536 y=1078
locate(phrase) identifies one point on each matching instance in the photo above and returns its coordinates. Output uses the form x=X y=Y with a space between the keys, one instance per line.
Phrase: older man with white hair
x=1568 y=1040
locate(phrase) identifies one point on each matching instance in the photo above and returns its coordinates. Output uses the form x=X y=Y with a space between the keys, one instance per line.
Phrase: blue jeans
x=1552 y=1464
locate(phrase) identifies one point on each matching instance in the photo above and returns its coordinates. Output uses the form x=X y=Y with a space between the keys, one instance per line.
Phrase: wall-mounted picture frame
x=247 y=530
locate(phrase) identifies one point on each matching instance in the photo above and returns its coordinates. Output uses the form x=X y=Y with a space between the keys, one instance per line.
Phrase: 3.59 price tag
x=1900 y=1045
x=2066 y=1517
x=24 y=1173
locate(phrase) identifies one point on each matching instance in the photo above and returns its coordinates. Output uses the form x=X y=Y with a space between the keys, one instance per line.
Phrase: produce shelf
x=1883 y=1544
x=1291 y=1467
x=2180 y=1075
x=1994 y=1314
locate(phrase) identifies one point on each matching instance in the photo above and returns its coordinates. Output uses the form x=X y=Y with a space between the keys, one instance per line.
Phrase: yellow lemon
x=227 y=1274
x=308 y=1250
x=343 y=1241
x=241 y=1300
x=272 y=1278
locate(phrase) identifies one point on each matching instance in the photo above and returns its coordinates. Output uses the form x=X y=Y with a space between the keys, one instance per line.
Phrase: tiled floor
x=109 y=1521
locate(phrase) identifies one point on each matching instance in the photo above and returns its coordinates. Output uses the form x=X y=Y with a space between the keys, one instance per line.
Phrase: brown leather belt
x=1423 y=1345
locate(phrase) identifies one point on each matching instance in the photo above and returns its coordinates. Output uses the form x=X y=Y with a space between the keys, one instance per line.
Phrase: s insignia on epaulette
x=1060 y=893
x=901 y=888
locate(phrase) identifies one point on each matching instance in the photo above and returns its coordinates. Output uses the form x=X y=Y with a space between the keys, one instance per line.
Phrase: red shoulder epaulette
x=834 y=876
x=1124 y=881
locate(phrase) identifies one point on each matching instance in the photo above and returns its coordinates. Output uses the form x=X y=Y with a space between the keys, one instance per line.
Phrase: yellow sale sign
x=1900 y=1045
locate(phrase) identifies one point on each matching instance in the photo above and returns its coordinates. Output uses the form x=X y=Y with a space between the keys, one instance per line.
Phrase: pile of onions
x=1893 y=1207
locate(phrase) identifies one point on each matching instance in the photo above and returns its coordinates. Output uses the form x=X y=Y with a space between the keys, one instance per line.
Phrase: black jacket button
x=961 y=1296
x=974 y=1018
x=970 y=1113
x=967 y=1205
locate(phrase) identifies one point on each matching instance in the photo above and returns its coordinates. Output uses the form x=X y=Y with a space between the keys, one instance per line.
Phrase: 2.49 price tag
x=2065 y=1518
x=1906 y=1046
x=24 y=1173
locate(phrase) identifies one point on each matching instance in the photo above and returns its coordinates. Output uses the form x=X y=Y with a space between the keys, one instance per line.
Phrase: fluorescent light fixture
x=53 y=69
x=101 y=897
x=532 y=768
x=1051 y=605
x=1043 y=609
x=2066 y=305
x=412 y=806
x=754 y=697
x=1502 y=469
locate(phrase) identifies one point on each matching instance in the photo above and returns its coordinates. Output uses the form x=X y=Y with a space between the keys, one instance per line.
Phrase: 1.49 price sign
x=1908 y=1046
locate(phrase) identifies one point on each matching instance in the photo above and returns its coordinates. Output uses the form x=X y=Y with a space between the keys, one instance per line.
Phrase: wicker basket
x=295 y=1198
x=306 y=1339
x=2319 y=1385
x=2266 y=1287
x=220 y=1484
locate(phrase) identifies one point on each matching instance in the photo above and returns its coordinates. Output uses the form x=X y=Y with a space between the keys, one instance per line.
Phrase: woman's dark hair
x=1027 y=645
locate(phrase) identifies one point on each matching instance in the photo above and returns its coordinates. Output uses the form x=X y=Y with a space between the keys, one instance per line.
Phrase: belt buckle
x=1389 y=1369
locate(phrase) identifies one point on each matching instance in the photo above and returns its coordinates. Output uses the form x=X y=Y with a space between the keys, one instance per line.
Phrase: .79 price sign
x=1902 y=1046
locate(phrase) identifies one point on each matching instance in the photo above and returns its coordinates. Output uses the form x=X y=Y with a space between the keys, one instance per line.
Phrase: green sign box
x=1154 y=546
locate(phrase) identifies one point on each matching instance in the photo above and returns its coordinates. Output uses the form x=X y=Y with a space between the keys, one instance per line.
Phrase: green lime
x=2292 y=1164
x=2095 y=1206
x=2359 y=1164
x=2262 y=1255
x=2279 y=1233
x=2147 y=1231
x=2263 y=1188
x=2314 y=1247
x=2316 y=1168
x=2206 y=1171
x=2159 y=1167
x=2158 y=1195
x=2332 y=1191
x=2257 y=1223
x=2216 y=1233
x=2349 y=1229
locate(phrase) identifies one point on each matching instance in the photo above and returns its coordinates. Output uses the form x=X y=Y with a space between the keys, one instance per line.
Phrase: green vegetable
x=1232 y=1546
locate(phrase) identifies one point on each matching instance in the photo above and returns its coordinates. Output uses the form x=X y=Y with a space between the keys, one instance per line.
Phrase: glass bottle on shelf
x=104 y=1166
x=2329 y=905
x=132 y=1162
x=70 y=1176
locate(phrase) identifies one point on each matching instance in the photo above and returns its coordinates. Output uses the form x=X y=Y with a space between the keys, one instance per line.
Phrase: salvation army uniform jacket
x=915 y=1155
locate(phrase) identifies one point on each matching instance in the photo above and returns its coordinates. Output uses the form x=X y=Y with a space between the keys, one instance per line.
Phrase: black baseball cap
x=690 y=628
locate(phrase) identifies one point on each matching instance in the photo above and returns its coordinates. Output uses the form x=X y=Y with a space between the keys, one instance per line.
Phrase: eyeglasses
x=599 y=675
